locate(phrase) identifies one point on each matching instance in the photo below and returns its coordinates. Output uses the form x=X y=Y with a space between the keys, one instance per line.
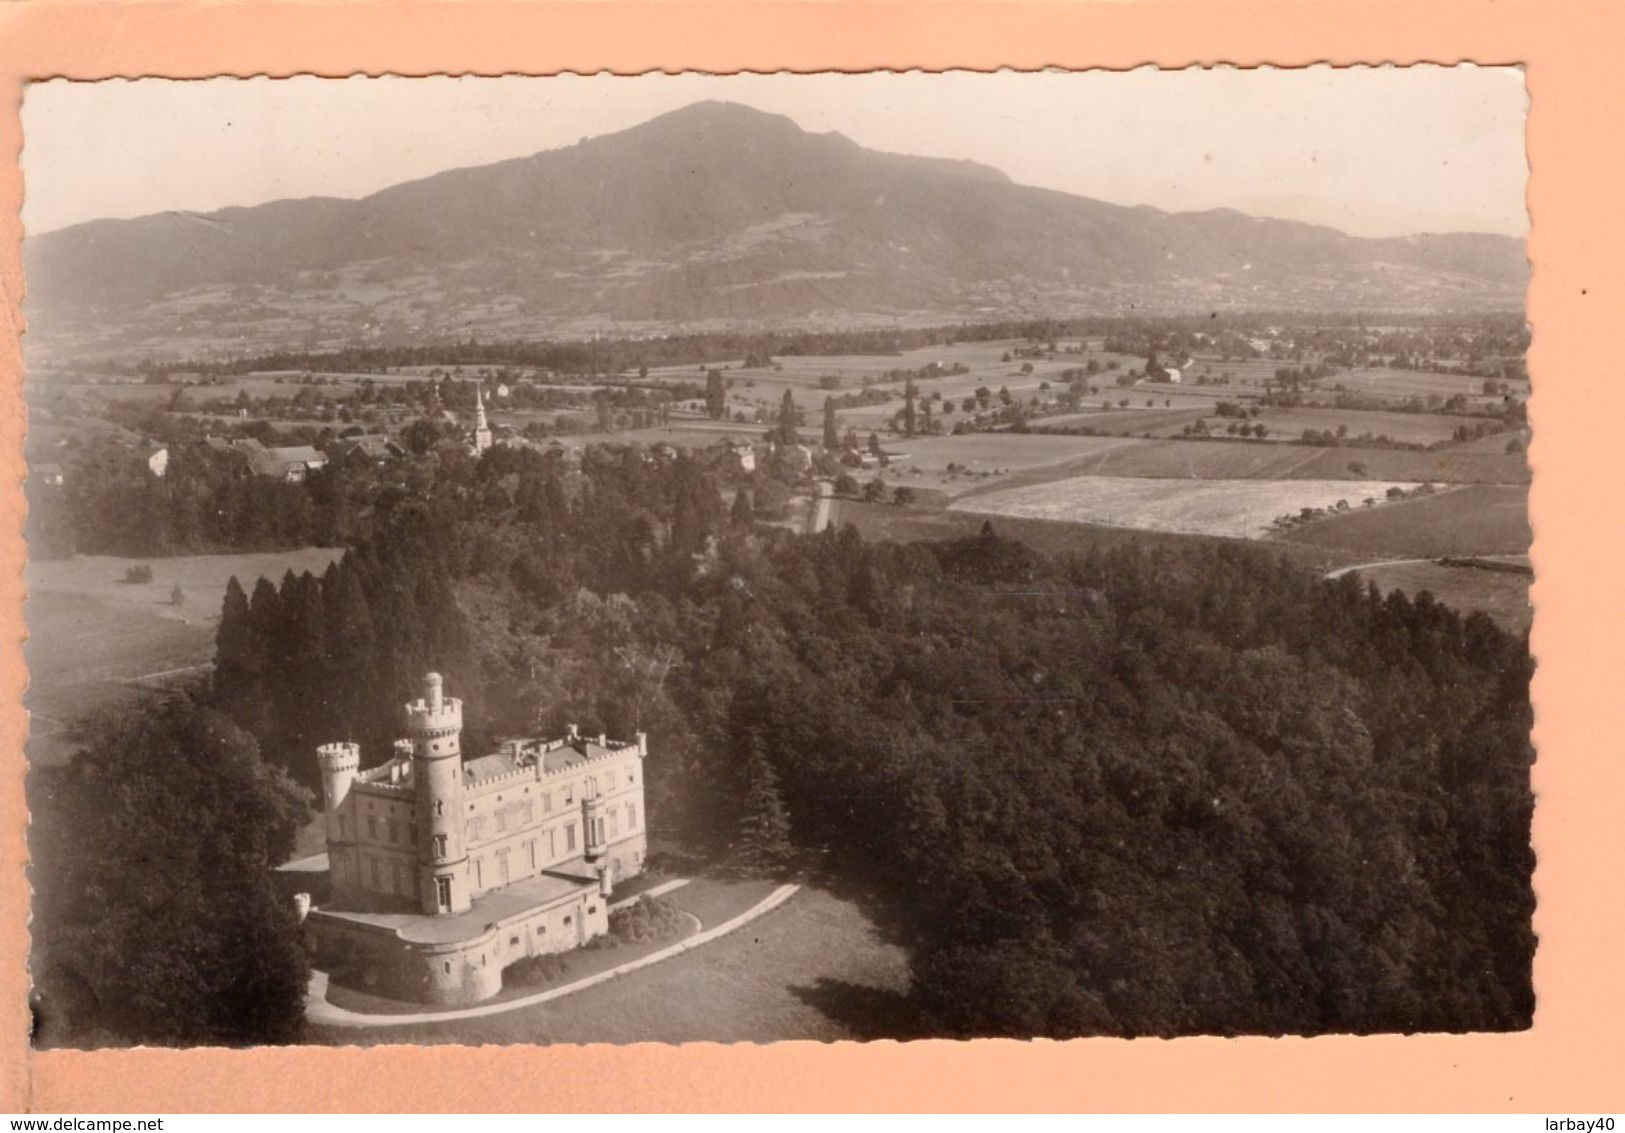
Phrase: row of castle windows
x=501 y=860
x=395 y=832
x=395 y=876
x=476 y=827
x=386 y=876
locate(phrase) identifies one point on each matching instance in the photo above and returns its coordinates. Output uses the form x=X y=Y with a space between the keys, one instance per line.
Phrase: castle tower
x=434 y=724
x=339 y=764
x=482 y=430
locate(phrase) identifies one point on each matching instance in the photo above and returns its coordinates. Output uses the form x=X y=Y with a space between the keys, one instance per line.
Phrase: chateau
x=445 y=870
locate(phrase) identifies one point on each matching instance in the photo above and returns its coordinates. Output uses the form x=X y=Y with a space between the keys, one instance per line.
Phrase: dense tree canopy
x=1143 y=792
x=156 y=913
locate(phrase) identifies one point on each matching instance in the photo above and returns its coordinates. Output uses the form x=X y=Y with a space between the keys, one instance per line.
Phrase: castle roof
x=516 y=757
x=490 y=910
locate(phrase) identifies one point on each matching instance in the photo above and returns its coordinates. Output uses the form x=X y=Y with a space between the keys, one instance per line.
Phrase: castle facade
x=442 y=870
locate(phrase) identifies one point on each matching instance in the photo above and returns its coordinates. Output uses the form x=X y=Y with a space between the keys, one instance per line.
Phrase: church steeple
x=482 y=430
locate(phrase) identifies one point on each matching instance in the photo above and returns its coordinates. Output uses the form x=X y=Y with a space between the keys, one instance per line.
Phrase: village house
x=740 y=453
x=290 y=464
x=369 y=446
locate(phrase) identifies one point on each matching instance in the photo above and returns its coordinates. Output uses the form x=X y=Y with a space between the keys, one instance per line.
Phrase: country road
x=823 y=501
x=1357 y=567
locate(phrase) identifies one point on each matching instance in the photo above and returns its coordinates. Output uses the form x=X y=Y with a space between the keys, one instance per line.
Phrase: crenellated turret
x=434 y=725
x=339 y=763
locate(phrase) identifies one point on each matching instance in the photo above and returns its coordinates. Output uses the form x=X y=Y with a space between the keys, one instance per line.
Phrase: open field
x=1242 y=509
x=890 y=524
x=999 y=460
x=1495 y=442
x=92 y=637
x=1263 y=460
x=81 y=654
x=1504 y=596
x=1284 y=425
x=1001 y=452
x=764 y=387
x=1136 y=420
x=814 y=968
x=155 y=393
x=1407 y=428
x=1402 y=384
x=1478 y=520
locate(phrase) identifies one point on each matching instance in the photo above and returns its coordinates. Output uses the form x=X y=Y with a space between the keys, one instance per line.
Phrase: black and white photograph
x=769 y=557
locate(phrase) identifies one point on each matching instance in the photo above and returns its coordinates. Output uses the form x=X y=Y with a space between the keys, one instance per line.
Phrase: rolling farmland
x=1235 y=508
x=1479 y=520
x=993 y=460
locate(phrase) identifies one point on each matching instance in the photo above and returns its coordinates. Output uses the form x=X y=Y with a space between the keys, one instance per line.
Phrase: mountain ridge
x=712 y=214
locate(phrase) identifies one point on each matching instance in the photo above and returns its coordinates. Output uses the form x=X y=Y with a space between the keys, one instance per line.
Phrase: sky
x=1372 y=151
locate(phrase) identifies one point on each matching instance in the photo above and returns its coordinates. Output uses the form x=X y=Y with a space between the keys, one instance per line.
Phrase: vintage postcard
x=690 y=558
x=693 y=557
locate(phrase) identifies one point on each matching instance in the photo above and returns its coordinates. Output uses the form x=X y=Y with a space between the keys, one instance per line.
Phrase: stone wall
x=375 y=959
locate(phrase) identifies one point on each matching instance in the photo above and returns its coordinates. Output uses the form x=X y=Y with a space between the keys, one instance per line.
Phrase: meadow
x=94 y=639
x=1243 y=509
x=805 y=377
x=1400 y=384
x=995 y=460
x=1482 y=519
x=1504 y=596
x=1283 y=425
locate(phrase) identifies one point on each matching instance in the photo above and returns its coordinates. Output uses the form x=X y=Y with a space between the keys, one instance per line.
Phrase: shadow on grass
x=848 y=877
x=867 y=1012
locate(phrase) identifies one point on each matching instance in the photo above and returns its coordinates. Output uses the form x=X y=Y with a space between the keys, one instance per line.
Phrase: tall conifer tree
x=788 y=419
x=764 y=826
